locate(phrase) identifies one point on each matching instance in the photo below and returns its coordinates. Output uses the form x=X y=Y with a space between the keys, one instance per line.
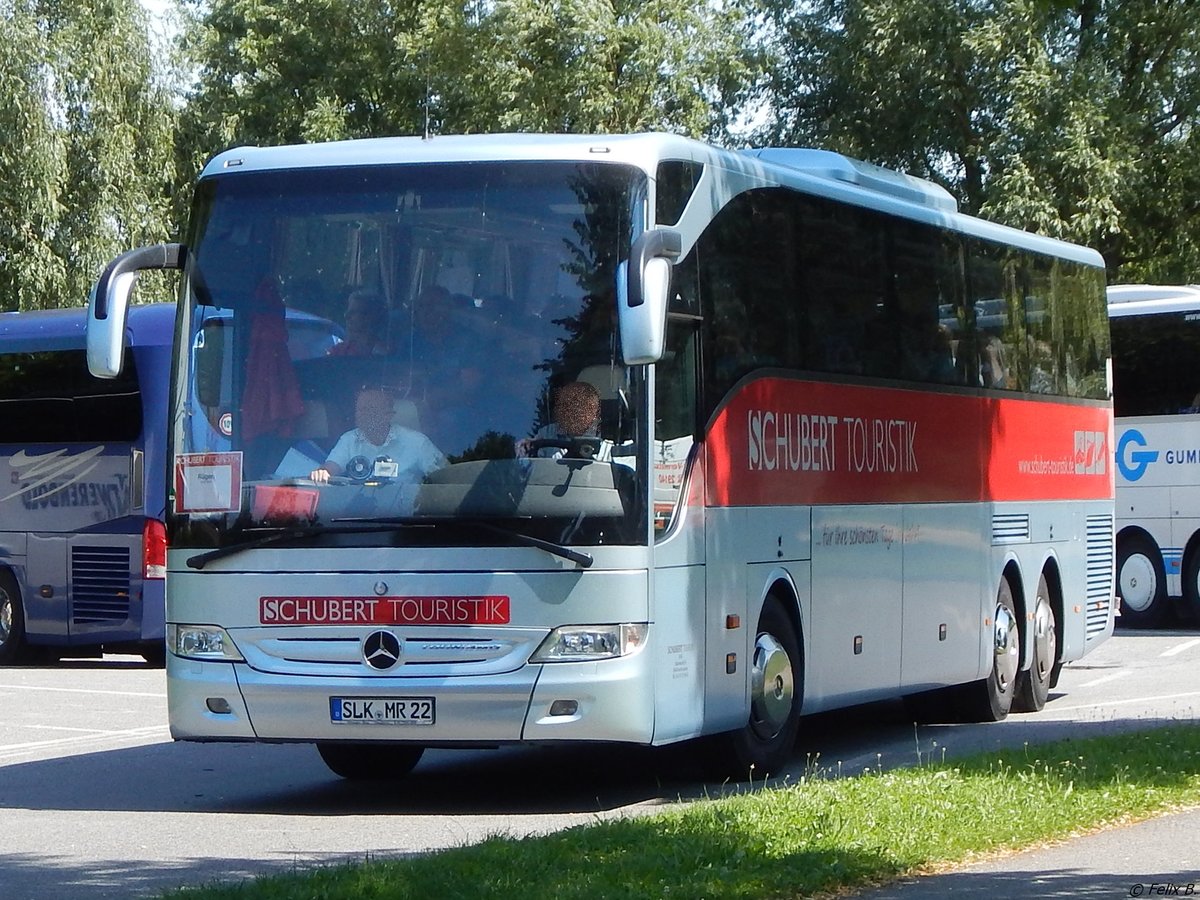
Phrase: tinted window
x=677 y=180
x=801 y=282
x=1156 y=364
x=49 y=397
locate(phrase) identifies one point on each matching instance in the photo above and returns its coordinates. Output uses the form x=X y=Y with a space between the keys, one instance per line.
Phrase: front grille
x=99 y=584
x=434 y=651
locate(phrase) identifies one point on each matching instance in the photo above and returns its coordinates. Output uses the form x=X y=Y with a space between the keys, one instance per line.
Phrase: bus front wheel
x=1141 y=582
x=12 y=621
x=990 y=699
x=764 y=745
x=370 y=762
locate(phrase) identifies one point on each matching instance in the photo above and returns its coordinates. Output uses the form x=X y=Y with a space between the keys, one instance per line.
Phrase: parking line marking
x=97 y=737
x=62 y=690
x=1141 y=700
x=62 y=728
x=1180 y=648
x=1112 y=676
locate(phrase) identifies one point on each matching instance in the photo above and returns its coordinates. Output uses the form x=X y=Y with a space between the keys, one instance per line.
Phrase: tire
x=155 y=654
x=765 y=744
x=370 y=762
x=1033 y=685
x=991 y=698
x=12 y=622
x=1141 y=582
x=1190 y=611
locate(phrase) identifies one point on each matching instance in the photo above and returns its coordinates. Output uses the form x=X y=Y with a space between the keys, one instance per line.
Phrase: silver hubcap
x=1137 y=582
x=1007 y=643
x=1045 y=640
x=772 y=686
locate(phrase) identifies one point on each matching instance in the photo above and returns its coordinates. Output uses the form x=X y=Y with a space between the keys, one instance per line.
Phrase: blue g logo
x=1135 y=466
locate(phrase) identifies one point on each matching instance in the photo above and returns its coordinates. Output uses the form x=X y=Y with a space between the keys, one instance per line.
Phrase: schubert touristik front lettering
x=478 y=610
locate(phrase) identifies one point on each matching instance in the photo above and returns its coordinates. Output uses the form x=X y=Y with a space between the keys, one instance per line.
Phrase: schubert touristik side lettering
x=791 y=441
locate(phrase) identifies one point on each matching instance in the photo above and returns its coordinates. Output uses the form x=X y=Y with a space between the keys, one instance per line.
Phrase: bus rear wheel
x=1033 y=686
x=370 y=762
x=12 y=622
x=764 y=745
x=990 y=699
x=1191 y=587
x=1141 y=582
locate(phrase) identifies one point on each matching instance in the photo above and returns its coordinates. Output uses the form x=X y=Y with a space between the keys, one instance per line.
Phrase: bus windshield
x=414 y=344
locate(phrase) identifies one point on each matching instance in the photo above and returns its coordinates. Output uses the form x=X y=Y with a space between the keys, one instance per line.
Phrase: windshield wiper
x=579 y=557
x=200 y=560
x=585 y=560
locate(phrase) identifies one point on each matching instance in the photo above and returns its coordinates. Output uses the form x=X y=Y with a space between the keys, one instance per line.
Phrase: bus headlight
x=204 y=642
x=577 y=643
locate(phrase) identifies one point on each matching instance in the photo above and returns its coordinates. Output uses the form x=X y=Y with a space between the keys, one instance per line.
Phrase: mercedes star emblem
x=381 y=650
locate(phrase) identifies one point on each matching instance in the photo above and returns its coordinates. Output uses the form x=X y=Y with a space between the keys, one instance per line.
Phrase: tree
x=296 y=70
x=86 y=146
x=1070 y=117
x=31 y=158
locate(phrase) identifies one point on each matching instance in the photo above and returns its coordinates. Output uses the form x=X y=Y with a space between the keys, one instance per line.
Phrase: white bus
x=848 y=444
x=1156 y=398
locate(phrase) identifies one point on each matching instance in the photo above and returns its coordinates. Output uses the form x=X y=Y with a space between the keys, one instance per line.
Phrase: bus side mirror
x=643 y=288
x=109 y=302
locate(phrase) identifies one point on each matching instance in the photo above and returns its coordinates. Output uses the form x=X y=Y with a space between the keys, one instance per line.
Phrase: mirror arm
x=658 y=242
x=156 y=256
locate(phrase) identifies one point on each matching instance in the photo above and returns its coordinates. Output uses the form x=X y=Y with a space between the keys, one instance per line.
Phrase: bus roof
x=150 y=324
x=818 y=172
x=1150 y=299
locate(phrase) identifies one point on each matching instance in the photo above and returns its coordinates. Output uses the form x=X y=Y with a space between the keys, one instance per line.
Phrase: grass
x=814 y=836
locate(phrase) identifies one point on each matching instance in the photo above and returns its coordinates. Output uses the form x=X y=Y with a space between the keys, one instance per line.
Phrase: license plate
x=381 y=710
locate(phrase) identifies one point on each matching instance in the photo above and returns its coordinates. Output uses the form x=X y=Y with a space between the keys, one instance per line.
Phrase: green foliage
x=1075 y=118
x=32 y=159
x=1070 y=118
x=85 y=146
x=292 y=70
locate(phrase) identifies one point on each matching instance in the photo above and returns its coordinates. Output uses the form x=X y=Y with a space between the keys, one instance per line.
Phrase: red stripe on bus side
x=781 y=441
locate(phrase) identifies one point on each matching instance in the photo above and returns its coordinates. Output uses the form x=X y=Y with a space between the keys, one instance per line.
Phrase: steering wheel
x=358 y=469
x=575 y=448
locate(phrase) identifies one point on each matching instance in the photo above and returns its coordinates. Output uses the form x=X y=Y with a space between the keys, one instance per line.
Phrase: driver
x=374 y=435
x=576 y=416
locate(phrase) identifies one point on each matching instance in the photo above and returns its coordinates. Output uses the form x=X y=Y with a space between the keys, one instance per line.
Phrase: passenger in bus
x=993 y=366
x=576 y=420
x=376 y=436
x=366 y=326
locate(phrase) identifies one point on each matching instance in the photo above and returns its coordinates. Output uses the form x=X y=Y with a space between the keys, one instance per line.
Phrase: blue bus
x=82 y=487
x=83 y=503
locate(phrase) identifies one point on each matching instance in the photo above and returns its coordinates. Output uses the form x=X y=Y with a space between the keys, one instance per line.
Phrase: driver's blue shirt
x=413 y=453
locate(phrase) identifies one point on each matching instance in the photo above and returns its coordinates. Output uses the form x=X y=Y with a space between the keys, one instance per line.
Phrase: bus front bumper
x=609 y=700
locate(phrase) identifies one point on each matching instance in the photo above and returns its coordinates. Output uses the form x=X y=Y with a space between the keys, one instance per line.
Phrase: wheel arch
x=8 y=571
x=781 y=585
x=1014 y=575
x=1013 y=572
x=1130 y=531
